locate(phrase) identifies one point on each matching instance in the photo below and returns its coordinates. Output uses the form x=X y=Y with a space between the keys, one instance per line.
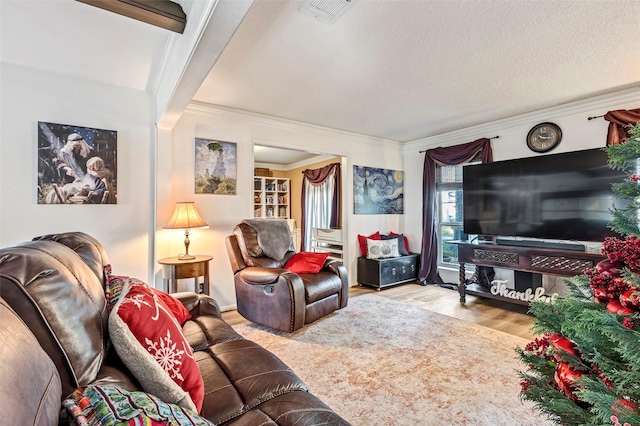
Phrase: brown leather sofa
x=55 y=339
x=274 y=297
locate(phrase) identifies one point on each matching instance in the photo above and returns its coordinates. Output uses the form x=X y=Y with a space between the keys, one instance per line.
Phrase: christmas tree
x=583 y=368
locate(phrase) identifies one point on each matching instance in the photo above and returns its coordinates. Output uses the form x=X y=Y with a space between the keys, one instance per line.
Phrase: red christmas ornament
x=565 y=378
x=606 y=267
x=563 y=344
x=616 y=307
x=606 y=281
x=631 y=299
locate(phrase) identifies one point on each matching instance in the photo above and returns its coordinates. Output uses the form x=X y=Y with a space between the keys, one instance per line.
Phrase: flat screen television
x=564 y=196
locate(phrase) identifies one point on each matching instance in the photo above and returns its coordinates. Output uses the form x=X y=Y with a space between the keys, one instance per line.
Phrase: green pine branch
x=625 y=156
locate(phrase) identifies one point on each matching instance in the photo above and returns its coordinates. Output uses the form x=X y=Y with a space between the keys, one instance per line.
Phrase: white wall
x=129 y=230
x=223 y=212
x=125 y=229
x=577 y=133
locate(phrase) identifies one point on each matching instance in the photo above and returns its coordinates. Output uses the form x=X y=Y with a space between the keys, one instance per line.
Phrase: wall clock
x=544 y=137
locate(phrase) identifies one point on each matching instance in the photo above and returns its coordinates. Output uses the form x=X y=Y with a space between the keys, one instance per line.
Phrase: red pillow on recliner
x=307 y=262
x=362 y=240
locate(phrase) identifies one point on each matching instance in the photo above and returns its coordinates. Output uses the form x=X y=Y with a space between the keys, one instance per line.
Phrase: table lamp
x=186 y=217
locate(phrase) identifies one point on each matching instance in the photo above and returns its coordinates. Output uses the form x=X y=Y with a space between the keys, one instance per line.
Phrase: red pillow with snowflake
x=150 y=342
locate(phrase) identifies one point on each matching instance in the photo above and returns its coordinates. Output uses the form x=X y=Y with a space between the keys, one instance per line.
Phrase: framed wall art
x=76 y=165
x=377 y=191
x=215 y=167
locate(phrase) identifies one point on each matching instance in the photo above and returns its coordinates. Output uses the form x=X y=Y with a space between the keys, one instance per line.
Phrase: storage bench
x=386 y=272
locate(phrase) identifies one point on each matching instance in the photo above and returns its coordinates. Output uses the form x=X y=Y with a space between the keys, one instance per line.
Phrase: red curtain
x=449 y=156
x=619 y=121
x=318 y=177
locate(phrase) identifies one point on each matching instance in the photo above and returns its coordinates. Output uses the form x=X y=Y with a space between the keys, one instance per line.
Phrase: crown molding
x=202 y=108
x=270 y=166
x=296 y=165
x=590 y=105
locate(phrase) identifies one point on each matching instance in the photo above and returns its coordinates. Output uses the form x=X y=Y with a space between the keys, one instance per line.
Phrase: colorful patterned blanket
x=110 y=406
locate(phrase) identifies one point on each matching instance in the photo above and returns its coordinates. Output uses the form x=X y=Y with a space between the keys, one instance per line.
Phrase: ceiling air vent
x=326 y=10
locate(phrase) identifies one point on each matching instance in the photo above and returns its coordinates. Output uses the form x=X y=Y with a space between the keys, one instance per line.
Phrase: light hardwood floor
x=506 y=317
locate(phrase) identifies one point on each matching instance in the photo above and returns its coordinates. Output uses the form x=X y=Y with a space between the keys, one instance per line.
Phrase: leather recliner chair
x=268 y=294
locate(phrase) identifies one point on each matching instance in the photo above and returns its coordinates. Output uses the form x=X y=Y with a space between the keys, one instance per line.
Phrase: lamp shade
x=185 y=216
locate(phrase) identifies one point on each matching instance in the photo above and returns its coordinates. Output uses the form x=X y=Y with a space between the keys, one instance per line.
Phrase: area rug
x=382 y=362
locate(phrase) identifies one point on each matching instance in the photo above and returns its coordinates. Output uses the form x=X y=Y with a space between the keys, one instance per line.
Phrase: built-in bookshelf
x=271 y=197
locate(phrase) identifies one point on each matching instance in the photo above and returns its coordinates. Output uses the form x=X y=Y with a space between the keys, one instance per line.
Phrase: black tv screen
x=560 y=197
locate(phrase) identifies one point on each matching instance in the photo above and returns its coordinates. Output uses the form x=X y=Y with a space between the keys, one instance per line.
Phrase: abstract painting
x=377 y=191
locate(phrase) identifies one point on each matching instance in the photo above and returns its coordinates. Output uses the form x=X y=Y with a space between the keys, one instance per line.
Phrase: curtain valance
x=448 y=156
x=619 y=121
x=318 y=177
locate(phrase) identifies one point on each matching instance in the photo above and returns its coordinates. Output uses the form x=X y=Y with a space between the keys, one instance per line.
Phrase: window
x=318 y=205
x=449 y=211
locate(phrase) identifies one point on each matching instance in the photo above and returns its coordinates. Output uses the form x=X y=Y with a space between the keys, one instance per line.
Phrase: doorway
x=289 y=164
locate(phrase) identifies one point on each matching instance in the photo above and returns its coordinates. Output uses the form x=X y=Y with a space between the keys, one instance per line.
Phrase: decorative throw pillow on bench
x=362 y=240
x=380 y=249
x=402 y=245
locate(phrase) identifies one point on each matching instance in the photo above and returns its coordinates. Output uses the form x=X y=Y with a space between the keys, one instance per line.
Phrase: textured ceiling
x=405 y=70
x=394 y=69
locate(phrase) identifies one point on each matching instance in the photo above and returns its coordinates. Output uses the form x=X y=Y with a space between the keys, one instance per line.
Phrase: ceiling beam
x=161 y=13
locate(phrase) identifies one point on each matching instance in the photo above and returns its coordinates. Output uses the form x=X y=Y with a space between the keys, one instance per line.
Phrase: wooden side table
x=174 y=269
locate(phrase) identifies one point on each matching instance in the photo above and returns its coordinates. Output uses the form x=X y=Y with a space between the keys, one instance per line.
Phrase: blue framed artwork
x=215 y=167
x=377 y=191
